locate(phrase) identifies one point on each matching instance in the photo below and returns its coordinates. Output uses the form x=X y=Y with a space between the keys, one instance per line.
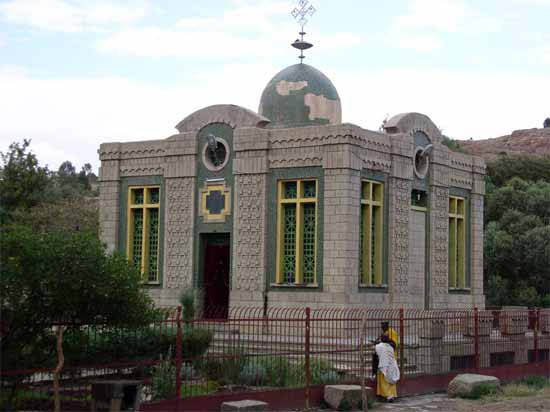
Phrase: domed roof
x=300 y=95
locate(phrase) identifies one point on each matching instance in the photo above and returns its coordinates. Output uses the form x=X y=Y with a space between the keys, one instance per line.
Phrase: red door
x=216 y=280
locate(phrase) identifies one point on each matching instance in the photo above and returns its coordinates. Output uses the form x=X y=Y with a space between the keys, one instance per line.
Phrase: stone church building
x=291 y=207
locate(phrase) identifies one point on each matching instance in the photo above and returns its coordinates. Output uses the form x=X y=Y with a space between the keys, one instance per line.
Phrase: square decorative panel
x=215 y=202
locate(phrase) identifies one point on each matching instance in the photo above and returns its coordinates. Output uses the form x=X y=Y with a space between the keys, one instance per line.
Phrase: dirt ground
x=442 y=403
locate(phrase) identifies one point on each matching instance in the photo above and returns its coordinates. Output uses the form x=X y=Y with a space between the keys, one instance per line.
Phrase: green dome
x=300 y=95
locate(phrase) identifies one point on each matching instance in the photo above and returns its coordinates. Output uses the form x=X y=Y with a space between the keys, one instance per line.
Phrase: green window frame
x=457 y=243
x=371 y=239
x=143 y=230
x=297 y=208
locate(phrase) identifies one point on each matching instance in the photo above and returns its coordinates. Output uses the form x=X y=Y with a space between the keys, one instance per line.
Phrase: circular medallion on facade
x=421 y=163
x=421 y=158
x=215 y=153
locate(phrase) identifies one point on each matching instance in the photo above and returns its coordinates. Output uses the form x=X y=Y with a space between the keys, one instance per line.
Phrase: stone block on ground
x=246 y=405
x=349 y=395
x=464 y=384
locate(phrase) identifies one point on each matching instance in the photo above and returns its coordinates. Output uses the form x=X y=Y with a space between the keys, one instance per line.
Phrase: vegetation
x=517 y=232
x=451 y=144
x=481 y=391
x=528 y=168
x=25 y=185
x=529 y=386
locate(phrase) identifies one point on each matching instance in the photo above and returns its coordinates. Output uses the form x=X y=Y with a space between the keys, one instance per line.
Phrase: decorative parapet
x=513 y=322
x=485 y=324
x=132 y=150
x=229 y=114
x=545 y=321
x=406 y=123
x=330 y=135
x=433 y=329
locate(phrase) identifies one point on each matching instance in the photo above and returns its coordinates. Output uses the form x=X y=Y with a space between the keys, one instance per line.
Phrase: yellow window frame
x=372 y=211
x=457 y=242
x=299 y=201
x=145 y=207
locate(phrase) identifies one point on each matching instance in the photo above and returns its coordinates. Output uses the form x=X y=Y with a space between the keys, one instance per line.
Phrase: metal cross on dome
x=301 y=13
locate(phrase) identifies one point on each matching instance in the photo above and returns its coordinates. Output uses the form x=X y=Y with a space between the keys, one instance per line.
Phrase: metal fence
x=278 y=348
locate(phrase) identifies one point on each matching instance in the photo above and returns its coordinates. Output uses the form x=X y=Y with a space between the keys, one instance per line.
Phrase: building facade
x=290 y=207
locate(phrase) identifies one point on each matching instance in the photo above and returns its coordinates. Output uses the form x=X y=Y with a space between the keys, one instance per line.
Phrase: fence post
x=178 y=352
x=536 y=335
x=476 y=338
x=402 y=343
x=307 y=350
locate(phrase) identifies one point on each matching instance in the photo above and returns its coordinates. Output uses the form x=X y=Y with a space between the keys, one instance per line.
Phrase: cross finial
x=301 y=13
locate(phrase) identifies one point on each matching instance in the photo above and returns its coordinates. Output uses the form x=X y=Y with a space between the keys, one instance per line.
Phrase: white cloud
x=68 y=118
x=422 y=27
x=72 y=15
x=446 y=16
x=419 y=42
x=249 y=28
x=464 y=105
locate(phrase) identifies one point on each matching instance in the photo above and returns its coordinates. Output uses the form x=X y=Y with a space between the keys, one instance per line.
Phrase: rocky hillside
x=521 y=142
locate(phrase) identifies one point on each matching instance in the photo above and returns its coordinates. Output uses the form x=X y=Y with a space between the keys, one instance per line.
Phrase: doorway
x=216 y=264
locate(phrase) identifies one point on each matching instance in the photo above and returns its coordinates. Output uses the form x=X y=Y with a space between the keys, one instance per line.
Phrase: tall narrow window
x=143 y=230
x=297 y=232
x=457 y=243
x=372 y=234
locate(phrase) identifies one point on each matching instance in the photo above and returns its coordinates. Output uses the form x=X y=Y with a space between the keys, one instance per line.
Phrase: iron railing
x=251 y=347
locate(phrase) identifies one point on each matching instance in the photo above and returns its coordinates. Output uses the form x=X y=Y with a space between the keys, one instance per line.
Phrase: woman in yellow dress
x=388 y=372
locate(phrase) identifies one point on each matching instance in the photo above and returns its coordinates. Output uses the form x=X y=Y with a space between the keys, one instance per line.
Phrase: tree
x=532 y=168
x=73 y=214
x=451 y=144
x=22 y=182
x=517 y=243
x=61 y=276
x=546 y=122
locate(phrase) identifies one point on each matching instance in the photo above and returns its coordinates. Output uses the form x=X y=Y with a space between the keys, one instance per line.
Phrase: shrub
x=518 y=390
x=538 y=382
x=321 y=370
x=232 y=365
x=210 y=368
x=163 y=385
x=187 y=302
x=253 y=374
x=482 y=390
x=199 y=389
x=195 y=342
x=278 y=370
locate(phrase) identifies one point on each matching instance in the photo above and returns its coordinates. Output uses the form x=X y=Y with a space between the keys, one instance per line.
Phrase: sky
x=76 y=73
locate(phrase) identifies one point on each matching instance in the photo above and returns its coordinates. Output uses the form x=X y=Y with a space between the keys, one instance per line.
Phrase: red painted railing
x=285 y=347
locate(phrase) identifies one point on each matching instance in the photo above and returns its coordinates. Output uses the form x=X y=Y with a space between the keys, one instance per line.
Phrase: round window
x=215 y=154
x=422 y=161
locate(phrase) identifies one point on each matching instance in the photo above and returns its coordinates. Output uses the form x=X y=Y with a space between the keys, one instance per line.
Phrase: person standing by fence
x=387 y=374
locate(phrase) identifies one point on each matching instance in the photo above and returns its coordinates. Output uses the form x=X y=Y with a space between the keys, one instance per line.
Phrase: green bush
x=195 y=342
x=538 y=382
x=482 y=390
x=210 y=368
x=321 y=370
x=253 y=374
x=278 y=370
x=163 y=383
x=187 y=302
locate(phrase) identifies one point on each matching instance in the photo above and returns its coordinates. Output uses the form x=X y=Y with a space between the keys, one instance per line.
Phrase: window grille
x=143 y=230
x=297 y=232
x=457 y=243
x=371 y=233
